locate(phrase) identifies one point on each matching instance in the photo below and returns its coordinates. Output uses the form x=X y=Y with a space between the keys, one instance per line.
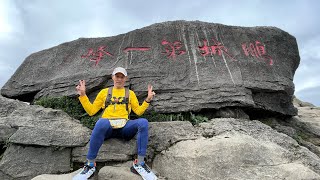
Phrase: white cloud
x=309 y=82
x=98 y=29
x=4 y=23
x=311 y=49
x=5 y=67
x=10 y=22
x=6 y=71
x=310 y=95
x=307 y=75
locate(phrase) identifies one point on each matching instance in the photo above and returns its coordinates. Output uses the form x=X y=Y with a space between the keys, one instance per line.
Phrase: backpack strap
x=109 y=96
x=124 y=101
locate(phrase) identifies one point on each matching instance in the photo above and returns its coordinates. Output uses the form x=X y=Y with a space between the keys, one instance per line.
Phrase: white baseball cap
x=119 y=70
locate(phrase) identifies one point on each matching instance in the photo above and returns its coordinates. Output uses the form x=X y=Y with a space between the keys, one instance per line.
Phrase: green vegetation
x=73 y=107
x=301 y=136
x=186 y=116
x=268 y=121
x=69 y=105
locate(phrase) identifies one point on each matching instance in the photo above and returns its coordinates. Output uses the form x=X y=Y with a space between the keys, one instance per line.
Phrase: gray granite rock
x=34 y=125
x=192 y=65
x=20 y=162
x=238 y=149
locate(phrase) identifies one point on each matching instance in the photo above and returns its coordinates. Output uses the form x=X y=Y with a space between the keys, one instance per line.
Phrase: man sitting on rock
x=117 y=102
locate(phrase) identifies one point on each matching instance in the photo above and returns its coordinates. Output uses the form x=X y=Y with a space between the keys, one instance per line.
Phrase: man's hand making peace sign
x=81 y=88
x=151 y=93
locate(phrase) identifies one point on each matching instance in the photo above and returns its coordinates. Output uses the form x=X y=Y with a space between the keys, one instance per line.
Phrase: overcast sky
x=28 y=26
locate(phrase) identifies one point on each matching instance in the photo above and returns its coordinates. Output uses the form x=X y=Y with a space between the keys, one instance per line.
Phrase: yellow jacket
x=116 y=111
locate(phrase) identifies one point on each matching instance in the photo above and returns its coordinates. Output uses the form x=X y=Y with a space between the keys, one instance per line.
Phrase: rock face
x=238 y=149
x=39 y=139
x=21 y=162
x=35 y=125
x=223 y=148
x=305 y=127
x=193 y=66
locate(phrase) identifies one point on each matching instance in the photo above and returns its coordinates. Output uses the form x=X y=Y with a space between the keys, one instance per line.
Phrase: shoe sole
x=134 y=171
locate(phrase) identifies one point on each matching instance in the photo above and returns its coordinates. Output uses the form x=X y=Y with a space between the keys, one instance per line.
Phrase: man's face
x=119 y=80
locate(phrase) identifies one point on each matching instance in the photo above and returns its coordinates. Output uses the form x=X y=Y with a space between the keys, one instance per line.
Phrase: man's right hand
x=81 y=88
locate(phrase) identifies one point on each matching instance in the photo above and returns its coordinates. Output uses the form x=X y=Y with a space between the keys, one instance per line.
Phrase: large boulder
x=21 y=162
x=224 y=148
x=66 y=176
x=36 y=140
x=21 y=123
x=192 y=65
x=238 y=149
x=111 y=150
x=305 y=127
x=309 y=116
x=120 y=172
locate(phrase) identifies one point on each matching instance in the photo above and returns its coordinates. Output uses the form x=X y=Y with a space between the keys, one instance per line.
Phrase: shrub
x=185 y=116
x=73 y=107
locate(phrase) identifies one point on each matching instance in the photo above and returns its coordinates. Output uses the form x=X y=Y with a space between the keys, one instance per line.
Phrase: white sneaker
x=144 y=171
x=86 y=172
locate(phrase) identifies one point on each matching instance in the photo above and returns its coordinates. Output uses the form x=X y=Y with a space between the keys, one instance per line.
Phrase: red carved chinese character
x=136 y=49
x=257 y=50
x=96 y=56
x=260 y=49
x=204 y=50
x=172 y=49
x=216 y=48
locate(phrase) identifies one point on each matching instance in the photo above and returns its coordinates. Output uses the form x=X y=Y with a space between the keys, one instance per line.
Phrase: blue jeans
x=103 y=130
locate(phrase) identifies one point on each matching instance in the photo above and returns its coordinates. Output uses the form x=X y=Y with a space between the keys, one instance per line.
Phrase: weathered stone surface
x=6 y=132
x=236 y=113
x=165 y=134
x=111 y=150
x=9 y=105
x=305 y=127
x=67 y=176
x=229 y=149
x=232 y=158
x=309 y=118
x=162 y=135
x=238 y=149
x=20 y=162
x=34 y=125
x=192 y=66
x=119 y=172
x=305 y=124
